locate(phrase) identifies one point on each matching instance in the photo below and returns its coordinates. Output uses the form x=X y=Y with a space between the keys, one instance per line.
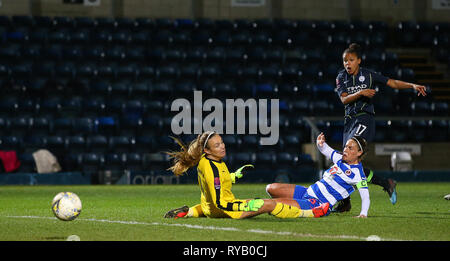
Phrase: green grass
x=134 y=213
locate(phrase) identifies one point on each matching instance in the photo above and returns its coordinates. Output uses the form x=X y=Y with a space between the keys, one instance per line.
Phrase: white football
x=66 y=206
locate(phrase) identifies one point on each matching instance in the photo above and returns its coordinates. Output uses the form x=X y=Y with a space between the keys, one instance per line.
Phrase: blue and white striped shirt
x=338 y=181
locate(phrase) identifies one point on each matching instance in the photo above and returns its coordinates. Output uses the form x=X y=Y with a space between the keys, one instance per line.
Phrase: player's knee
x=272 y=188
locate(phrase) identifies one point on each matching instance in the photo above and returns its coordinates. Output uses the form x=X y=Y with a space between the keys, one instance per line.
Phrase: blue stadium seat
x=301 y=107
x=121 y=36
x=34 y=142
x=56 y=144
x=115 y=53
x=265 y=160
x=156 y=161
x=41 y=125
x=168 y=71
x=418 y=131
x=163 y=36
x=20 y=125
x=12 y=143
x=105 y=22
x=134 y=162
x=92 y=162
x=71 y=107
x=97 y=143
x=190 y=71
x=196 y=53
x=59 y=36
x=440 y=108
x=305 y=159
x=438 y=131
x=135 y=53
x=120 y=144
x=27 y=163
x=73 y=161
x=399 y=131
x=286 y=160
x=84 y=22
x=63 y=22
x=421 y=108
x=95 y=52
x=107 y=125
x=94 y=106
x=144 y=144
x=87 y=70
x=61 y=126
x=76 y=144
x=114 y=161
x=242 y=158
x=232 y=142
x=84 y=125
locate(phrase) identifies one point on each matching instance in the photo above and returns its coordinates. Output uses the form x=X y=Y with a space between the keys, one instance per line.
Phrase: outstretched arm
x=326 y=150
x=397 y=84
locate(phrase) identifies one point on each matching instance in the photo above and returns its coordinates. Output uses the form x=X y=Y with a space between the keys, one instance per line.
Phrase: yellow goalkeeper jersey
x=214 y=180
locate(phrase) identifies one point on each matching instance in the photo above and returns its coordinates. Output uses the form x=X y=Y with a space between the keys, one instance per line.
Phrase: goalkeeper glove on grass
x=251 y=205
x=238 y=173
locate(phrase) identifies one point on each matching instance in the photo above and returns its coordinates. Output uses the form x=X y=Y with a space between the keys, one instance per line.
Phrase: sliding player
x=215 y=181
x=337 y=182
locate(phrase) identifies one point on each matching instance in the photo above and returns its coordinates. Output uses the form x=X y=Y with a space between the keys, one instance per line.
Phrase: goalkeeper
x=215 y=181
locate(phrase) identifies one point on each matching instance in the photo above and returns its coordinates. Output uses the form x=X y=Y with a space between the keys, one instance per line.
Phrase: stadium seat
x=61 y=126
x=12 y=143
x=20 y=125
x=27 y=163
x=94 y=106
x=399 y=131
x=97 y=143
x=56 y=144
x=114 y=161
x=286 y=160
x=421 y=108
x=120 y=144
x=144 y=144
x=76 y=144
x=92 y=162
x=243 y=158
x=34 y=142
x=84 y=125
x=440 y=108
x=156 y=161
x=107 y=125
x=418 y=131
x=438 y=131
x=134 y=162
x=265 y=160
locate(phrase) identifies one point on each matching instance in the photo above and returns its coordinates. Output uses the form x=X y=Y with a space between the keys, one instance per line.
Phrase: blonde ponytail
x=188 y=156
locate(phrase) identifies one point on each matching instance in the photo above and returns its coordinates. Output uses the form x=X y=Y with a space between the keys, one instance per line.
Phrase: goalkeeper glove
x=251 y=205
x=238 y=173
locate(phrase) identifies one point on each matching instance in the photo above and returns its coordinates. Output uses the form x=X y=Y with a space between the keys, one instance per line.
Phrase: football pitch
x=135 y=213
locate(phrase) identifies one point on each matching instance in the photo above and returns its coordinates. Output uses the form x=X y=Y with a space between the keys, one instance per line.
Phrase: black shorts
x=361 y=125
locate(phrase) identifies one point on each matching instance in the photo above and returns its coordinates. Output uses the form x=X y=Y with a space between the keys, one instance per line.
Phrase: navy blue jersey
x=350 y=84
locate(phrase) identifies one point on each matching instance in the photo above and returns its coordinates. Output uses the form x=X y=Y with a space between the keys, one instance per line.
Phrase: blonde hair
x=188 y=156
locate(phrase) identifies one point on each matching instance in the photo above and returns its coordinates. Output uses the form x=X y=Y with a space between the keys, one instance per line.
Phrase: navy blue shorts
x=362 y=125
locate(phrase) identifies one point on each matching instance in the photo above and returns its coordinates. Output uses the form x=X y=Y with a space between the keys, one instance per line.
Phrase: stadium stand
x=96 y=91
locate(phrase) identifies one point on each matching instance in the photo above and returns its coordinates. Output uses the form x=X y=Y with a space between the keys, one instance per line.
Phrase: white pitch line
x=255 y=231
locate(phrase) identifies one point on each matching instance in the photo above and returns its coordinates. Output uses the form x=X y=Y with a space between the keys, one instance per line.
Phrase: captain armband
x=362 y=184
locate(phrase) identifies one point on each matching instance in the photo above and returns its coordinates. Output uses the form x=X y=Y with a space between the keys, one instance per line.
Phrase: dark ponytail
x=355 y=49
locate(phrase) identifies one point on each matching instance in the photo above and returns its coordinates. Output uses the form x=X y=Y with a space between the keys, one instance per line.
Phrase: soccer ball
x=66 y=206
